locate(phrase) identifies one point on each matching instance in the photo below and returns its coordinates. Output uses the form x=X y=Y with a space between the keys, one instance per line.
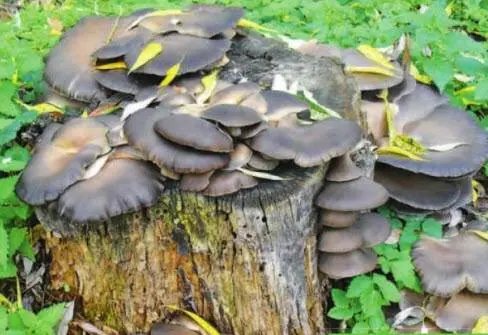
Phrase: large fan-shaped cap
x=343 y=169
x=228 y=182
x=368 y=81
x=462 y=311
x=309 y=145
x=337 y=219
x=193 y=53
x=448 y=266
x=417 y=190
x=194 y=132
x=122 y=186
x=232 y=115
x=359 y=194
x=125 y=41
x=349 y=264
x=62 y=161
x=139 y=130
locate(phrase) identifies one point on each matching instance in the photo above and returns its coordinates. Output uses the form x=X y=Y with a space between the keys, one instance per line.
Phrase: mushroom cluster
x=350 y=232
x=455 y=281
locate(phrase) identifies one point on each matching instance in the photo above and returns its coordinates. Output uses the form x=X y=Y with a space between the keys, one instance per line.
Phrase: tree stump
x=246 y=263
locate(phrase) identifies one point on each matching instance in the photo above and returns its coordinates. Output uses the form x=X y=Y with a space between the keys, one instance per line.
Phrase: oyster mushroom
x=228 y=182
x=342 y=169
x=461 y=312
x=337 y=219
x=349 y=264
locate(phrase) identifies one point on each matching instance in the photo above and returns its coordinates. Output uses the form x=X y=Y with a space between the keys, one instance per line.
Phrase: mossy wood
x=246 y=263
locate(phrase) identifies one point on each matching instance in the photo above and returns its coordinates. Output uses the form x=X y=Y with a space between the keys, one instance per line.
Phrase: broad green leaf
x=439 y=70
x=375 y=55
x=358 y=285
x=14 y=159
x=371 y=302
x=3 y=319
x=340 y=313
x=360 y=328
x=16 y=238
x=26 y=250
x=470 y=66
x=387 y=288
x=9 y=133
x=9 y=108
x=7 y=68
x=5 y=122
x=147 y=54
x=9 y=270
x=404 y=273
x=7 y=187
x=28 y=318
x=432 y=228
x=207 y=327
x=384 y=264
x=15 y=321
x=377 y=323
x=120 y=65
x=482 y=90
x=51 y=315
x=3 y=245
x=339 y=298
x=27 y=62
x=171 y=75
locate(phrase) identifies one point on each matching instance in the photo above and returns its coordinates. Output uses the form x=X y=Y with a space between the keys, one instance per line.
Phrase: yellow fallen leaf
x=482 y=234
x=165 y=12
x=375 y=55
x=84 y=115
x=42 y=108
x=368 y=69
x=112 y=66
x=449 y=8
x=261 y=175
x=391 y=150
x=423 y=78
x=112 y=30
x=477 y=188
x=148 y=53
x=465 y=90
x=389 y=115
x=171 y=75
x=209 y=83
x=207 y=327
x=56 y=26
x=248 y=24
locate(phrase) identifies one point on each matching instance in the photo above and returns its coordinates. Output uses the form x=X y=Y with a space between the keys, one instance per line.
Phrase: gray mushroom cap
x=232 y=115
x=194 y=132
x=139 y=130
x=349 y=264
x=228 y=182
x=258 y=162
x=448 y=266
x=122 y=186
x=337 y=219
x=281 y=104
x=193 y=53
x=235 y=94
x=171 y=329
x=417 y=190
x=355 y=195
x=122 y=44
x=120 y=81
x=342 y=168
x=239 y=157
x=308 y=145
x=62 y=160
x=192 y=182
x=462 y=311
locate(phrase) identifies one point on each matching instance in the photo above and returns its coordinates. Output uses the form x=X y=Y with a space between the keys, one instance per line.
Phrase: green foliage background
x=441 y=48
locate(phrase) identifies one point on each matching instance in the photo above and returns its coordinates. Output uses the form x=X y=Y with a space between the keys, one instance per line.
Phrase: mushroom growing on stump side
x=461 y=312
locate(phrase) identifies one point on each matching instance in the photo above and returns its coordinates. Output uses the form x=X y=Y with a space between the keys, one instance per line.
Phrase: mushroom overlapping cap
x=349 y=264
x=308 y=145
x=338 y=219
x=124 y=184
x=462 y=311
x=450 y=265
x=61 y=159
x=369 y=230
x=342 y=169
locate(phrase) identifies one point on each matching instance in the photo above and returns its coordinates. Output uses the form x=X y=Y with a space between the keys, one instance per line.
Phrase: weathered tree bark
x=246 y=263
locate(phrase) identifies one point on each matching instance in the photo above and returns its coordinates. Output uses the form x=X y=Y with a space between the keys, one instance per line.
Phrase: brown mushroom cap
x=349 y=264
x=62 y=161
x=369 y=230
x=139 y=130
x=193 y=53
x=122 y=186
x=171 y=329
x=281 y=104
x=462 y=311
x=355 y=195
x=337 y=219
x=194 y=132
x=232 y=115
x=258 y=162
x=195 y=182
x=342 y=168
x=235 y=94
x=228 y=182
x=119 y=81
x=239 y=157
x=308 y=145
x=448 y=266
x=417 y=190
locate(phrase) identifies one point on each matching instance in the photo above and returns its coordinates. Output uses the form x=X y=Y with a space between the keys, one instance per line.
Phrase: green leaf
x=26 y=250
x=15 y=321
x=14 y=159
x=432 y=228
x=9 y=270
x=358 y=285
x=3 y=319
x=51 y=315
x=3 y=246
x=404 y=273
x=9 y=133
x=384 y=264
x=439 y=70
x=360 y=328
x=482 y=90
x=371 y=302
x=7 y=187
x=340 y=313
x=469 y=65
x=7 y=68
x=16 y=238
x=377 y=323
x=339 y=298
x=387 y=288
x=28 y=318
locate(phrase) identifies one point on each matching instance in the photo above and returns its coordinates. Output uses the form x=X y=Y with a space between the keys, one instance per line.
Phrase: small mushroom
x=343 y=168
x=122 y=186
x=139 y=130
x=194 y=132
x=448 y=266
x=359 y=194
x=337 y=219
x=232 y=115
x=239 y=157
x=349 y=264
x=462 y=311
x=235 y=94
x=258 y=162
x=192 y=182
x=62 y=161
x=308 y=145
x=281 y=104
x=228 y=182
